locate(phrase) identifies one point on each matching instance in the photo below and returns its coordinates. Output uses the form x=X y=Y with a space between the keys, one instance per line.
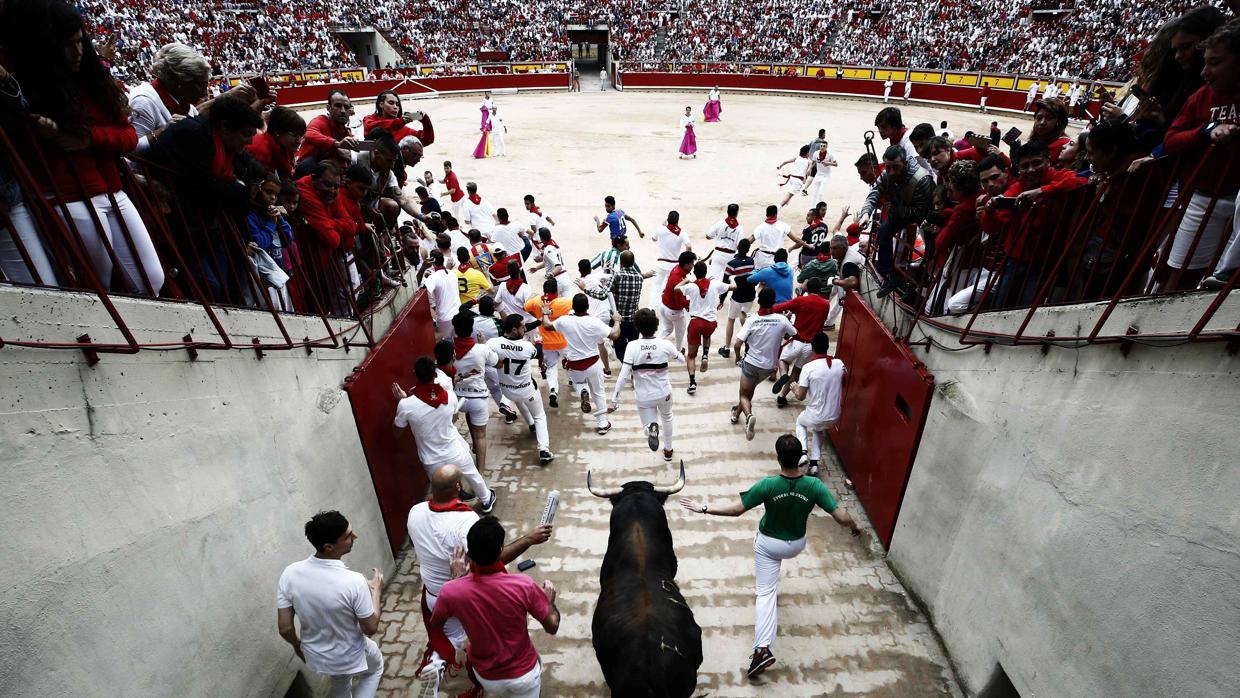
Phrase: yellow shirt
x=471 y=283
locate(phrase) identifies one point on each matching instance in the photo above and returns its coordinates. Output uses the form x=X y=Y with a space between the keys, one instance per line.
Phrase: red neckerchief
x=827 y=357
x=673 y=229
x=463 y=268
x=732 y=222
x=475 y=199
x=496 y=567
x=221 y=161
x=534 y=210
x=823 y=257
x=548 y=297
x=454 y=505
x=462 y=345
x=170 y=102
x=513 y=285
x=703 y=284
x=765 y=311
x=448 y=370
x=817 y=221
x=772 y=220
x=431 y=393
x=551 y=243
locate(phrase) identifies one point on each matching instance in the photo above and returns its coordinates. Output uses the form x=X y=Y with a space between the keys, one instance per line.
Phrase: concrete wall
x=150 y=502
x=372 y=48
x=1073 y=516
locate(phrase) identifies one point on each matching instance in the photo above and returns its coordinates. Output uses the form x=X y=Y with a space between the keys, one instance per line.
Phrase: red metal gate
x=399 y=479
x=886 y=400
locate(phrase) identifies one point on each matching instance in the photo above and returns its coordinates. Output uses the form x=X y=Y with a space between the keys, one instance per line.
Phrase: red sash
x=581 y=364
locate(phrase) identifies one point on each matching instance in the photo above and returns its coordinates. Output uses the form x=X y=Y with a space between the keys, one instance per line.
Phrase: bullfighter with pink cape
x=688 y=144
x=484 y=144
x=713 y=107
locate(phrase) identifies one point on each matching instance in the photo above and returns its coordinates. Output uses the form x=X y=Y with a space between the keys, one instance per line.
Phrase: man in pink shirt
x=491 y=606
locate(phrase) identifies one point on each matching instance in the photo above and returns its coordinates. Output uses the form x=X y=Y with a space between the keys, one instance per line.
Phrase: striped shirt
x=738 y=270
x=609 y=260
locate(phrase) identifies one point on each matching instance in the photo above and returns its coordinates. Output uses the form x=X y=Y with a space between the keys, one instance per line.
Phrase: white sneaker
x=652 y=436
x=430 y=677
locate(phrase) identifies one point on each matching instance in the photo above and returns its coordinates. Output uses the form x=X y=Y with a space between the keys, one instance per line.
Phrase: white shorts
x=796 y=353
x=795 y=185
x=477 y=410
x=735 y=309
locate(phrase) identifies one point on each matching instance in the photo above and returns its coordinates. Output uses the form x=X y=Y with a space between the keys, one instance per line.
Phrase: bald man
x=438 y=529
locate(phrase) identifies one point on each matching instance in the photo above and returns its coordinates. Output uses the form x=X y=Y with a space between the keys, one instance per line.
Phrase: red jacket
x=1032 y=234
x=1187 y=135
x=321 y=136
x=111 y=136
x=270 y=155
x=399 y=129
x=811 y=314
x=961 y=227
x=329 y=225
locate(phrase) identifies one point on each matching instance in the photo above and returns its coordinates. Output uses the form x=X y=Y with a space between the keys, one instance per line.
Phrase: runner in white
x=769 y=236
x=1031 y=95
x=822 y=380
x=669 y=242
x=645 y=361
x=478 y=213
x=498 y=132
x=444 y=294
x=887 y=91
x=553 y=263
x=512 y=295
x=583 y=335
x=704 y=294
x=596 y=284
x=823 y=162
x=470 y=385
x=725 y=234
x=795 y=179
x=427 y=411
x=764 y=333
x=516 y=356
x=537 y=220
x=908 y=88
x=486 y=328
x=511 y=237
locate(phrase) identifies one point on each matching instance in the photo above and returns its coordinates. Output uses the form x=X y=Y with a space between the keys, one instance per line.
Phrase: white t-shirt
x=329 y=598
x=459 y=240
x=479 y=215
x=508 y=237
x=822 y=171
x=444 y=293
x=725 y=236
x=474 y=362
x=765 y=334
x=648 y=359
x=510 y=303
x=800 y=167
x=436 y=436
x=583 y=335
x=515 y=359
x=552 y=258
x=713 y=96
x=770 y=236
x=435 y=536
x=704 y=304
x=887 y=85
x=486 y=328
x=538 y=220
x=685 y=121
x=824 y=379
x=669 y=244
x=599 y=281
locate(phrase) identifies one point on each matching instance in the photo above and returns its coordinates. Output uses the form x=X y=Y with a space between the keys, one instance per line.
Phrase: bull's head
x=664 y=491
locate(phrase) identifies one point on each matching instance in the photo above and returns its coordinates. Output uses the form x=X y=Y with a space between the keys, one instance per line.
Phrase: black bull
x=645 y=637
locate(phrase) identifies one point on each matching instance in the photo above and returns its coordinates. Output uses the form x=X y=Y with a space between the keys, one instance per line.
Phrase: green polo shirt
x=788 y=501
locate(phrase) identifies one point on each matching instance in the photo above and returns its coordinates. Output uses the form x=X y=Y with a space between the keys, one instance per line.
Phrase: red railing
x=191 y=257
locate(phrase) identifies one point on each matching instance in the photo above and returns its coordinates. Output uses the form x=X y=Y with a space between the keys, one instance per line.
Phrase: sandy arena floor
x=847 y=626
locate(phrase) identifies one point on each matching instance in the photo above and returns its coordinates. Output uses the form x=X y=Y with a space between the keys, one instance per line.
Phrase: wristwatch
x=705 y=508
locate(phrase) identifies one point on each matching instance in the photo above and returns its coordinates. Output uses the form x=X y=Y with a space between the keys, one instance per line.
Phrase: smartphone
x=525 y=565
x=981 y=143
x=1004 y=203
x=1011 y=135
x=261 y=89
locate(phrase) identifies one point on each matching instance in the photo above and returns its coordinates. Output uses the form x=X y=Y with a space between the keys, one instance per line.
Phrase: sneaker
x=545 y=457
x=490 y=505
x=1213 y=283
x=533 y=429
x=667 y=454
x=762 y=658
x=429 y=677
x=652 y=436
x=467 y=496
x=750 y=422
x=724 y=352
x=812 y=470
x=736 y=414
x=781 y=401
x=692 y=387
x=828 y=328
x=781 y=382
x=585 y=401
x=510 y=415
x=603 y=429
x=702 y=368
x=554 y=399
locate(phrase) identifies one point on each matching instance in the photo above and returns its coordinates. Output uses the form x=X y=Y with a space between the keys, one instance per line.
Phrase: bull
x=645 y=637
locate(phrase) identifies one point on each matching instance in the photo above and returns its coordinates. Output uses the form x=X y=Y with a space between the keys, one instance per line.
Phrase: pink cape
x=688 y=144
x=712 y=110
x=484 y=144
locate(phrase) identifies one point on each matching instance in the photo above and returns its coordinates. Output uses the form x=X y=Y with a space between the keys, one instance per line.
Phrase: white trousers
x=135 y=260
x=444 y=326
x=673 y=322
x=528 y=685
x=961 y=301
x=1231 y=254
x=11 y=261
x=453 y=629
x=658 y=282
x=592 y=379
x=464 y=461
x=1211 y=237
x=718 y=263
x=497 y=143
x=661 y=410
x=768 y=554
x=552 y=359
x=818 y=188
x=811 y=432
x=837 y=304
x=363 y=684
x=529 y=404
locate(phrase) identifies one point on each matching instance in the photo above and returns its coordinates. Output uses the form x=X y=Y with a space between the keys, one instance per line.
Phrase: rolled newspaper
x=553 y=503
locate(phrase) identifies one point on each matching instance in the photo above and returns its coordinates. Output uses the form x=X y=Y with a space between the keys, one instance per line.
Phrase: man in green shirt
x=789 y=497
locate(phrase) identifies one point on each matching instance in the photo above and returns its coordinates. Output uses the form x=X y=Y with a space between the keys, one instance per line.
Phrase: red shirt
x=499 y=270
x=451 y=183
x=399 y=129
x=111 y=136
x=673 y=299
x=329 y=223
x=321 y=136
x=270 y=155
x=810 y=314
x=1187 y=136
x=492 y=609
x=1025 y=232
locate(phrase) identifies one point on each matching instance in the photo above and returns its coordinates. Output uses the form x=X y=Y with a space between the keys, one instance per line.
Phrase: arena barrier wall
x=956 y=95
x=886 y=401
x=317 y=94
x=400 y=482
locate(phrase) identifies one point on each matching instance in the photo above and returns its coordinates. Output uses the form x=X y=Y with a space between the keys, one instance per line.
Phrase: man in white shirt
x=537 y=220
x=705 y=297
x=512 y=295
x=795 y=179
x=516 y=356
x=769 y=236
x=669 y=242
x=477 y=214
x=338 y=609
x=725 y=234
x=508 y=235
x=498 y=132
x=470 y=385
x=437 y=530
x=444 y=294
x=908 y=89
x=887 y=91
x=764 y=334
x=823 y=163
x=596 y=284
x=428 y=412
x=583 y=335
x=1031 y=95
x=822 y=380
x=645 y=361
x=553 y=263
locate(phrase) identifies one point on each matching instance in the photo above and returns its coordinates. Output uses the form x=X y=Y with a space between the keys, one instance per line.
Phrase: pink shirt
x=492 y=609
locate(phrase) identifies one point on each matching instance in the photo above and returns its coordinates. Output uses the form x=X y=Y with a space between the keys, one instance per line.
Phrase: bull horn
x=678 y=486
x=605 y=494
